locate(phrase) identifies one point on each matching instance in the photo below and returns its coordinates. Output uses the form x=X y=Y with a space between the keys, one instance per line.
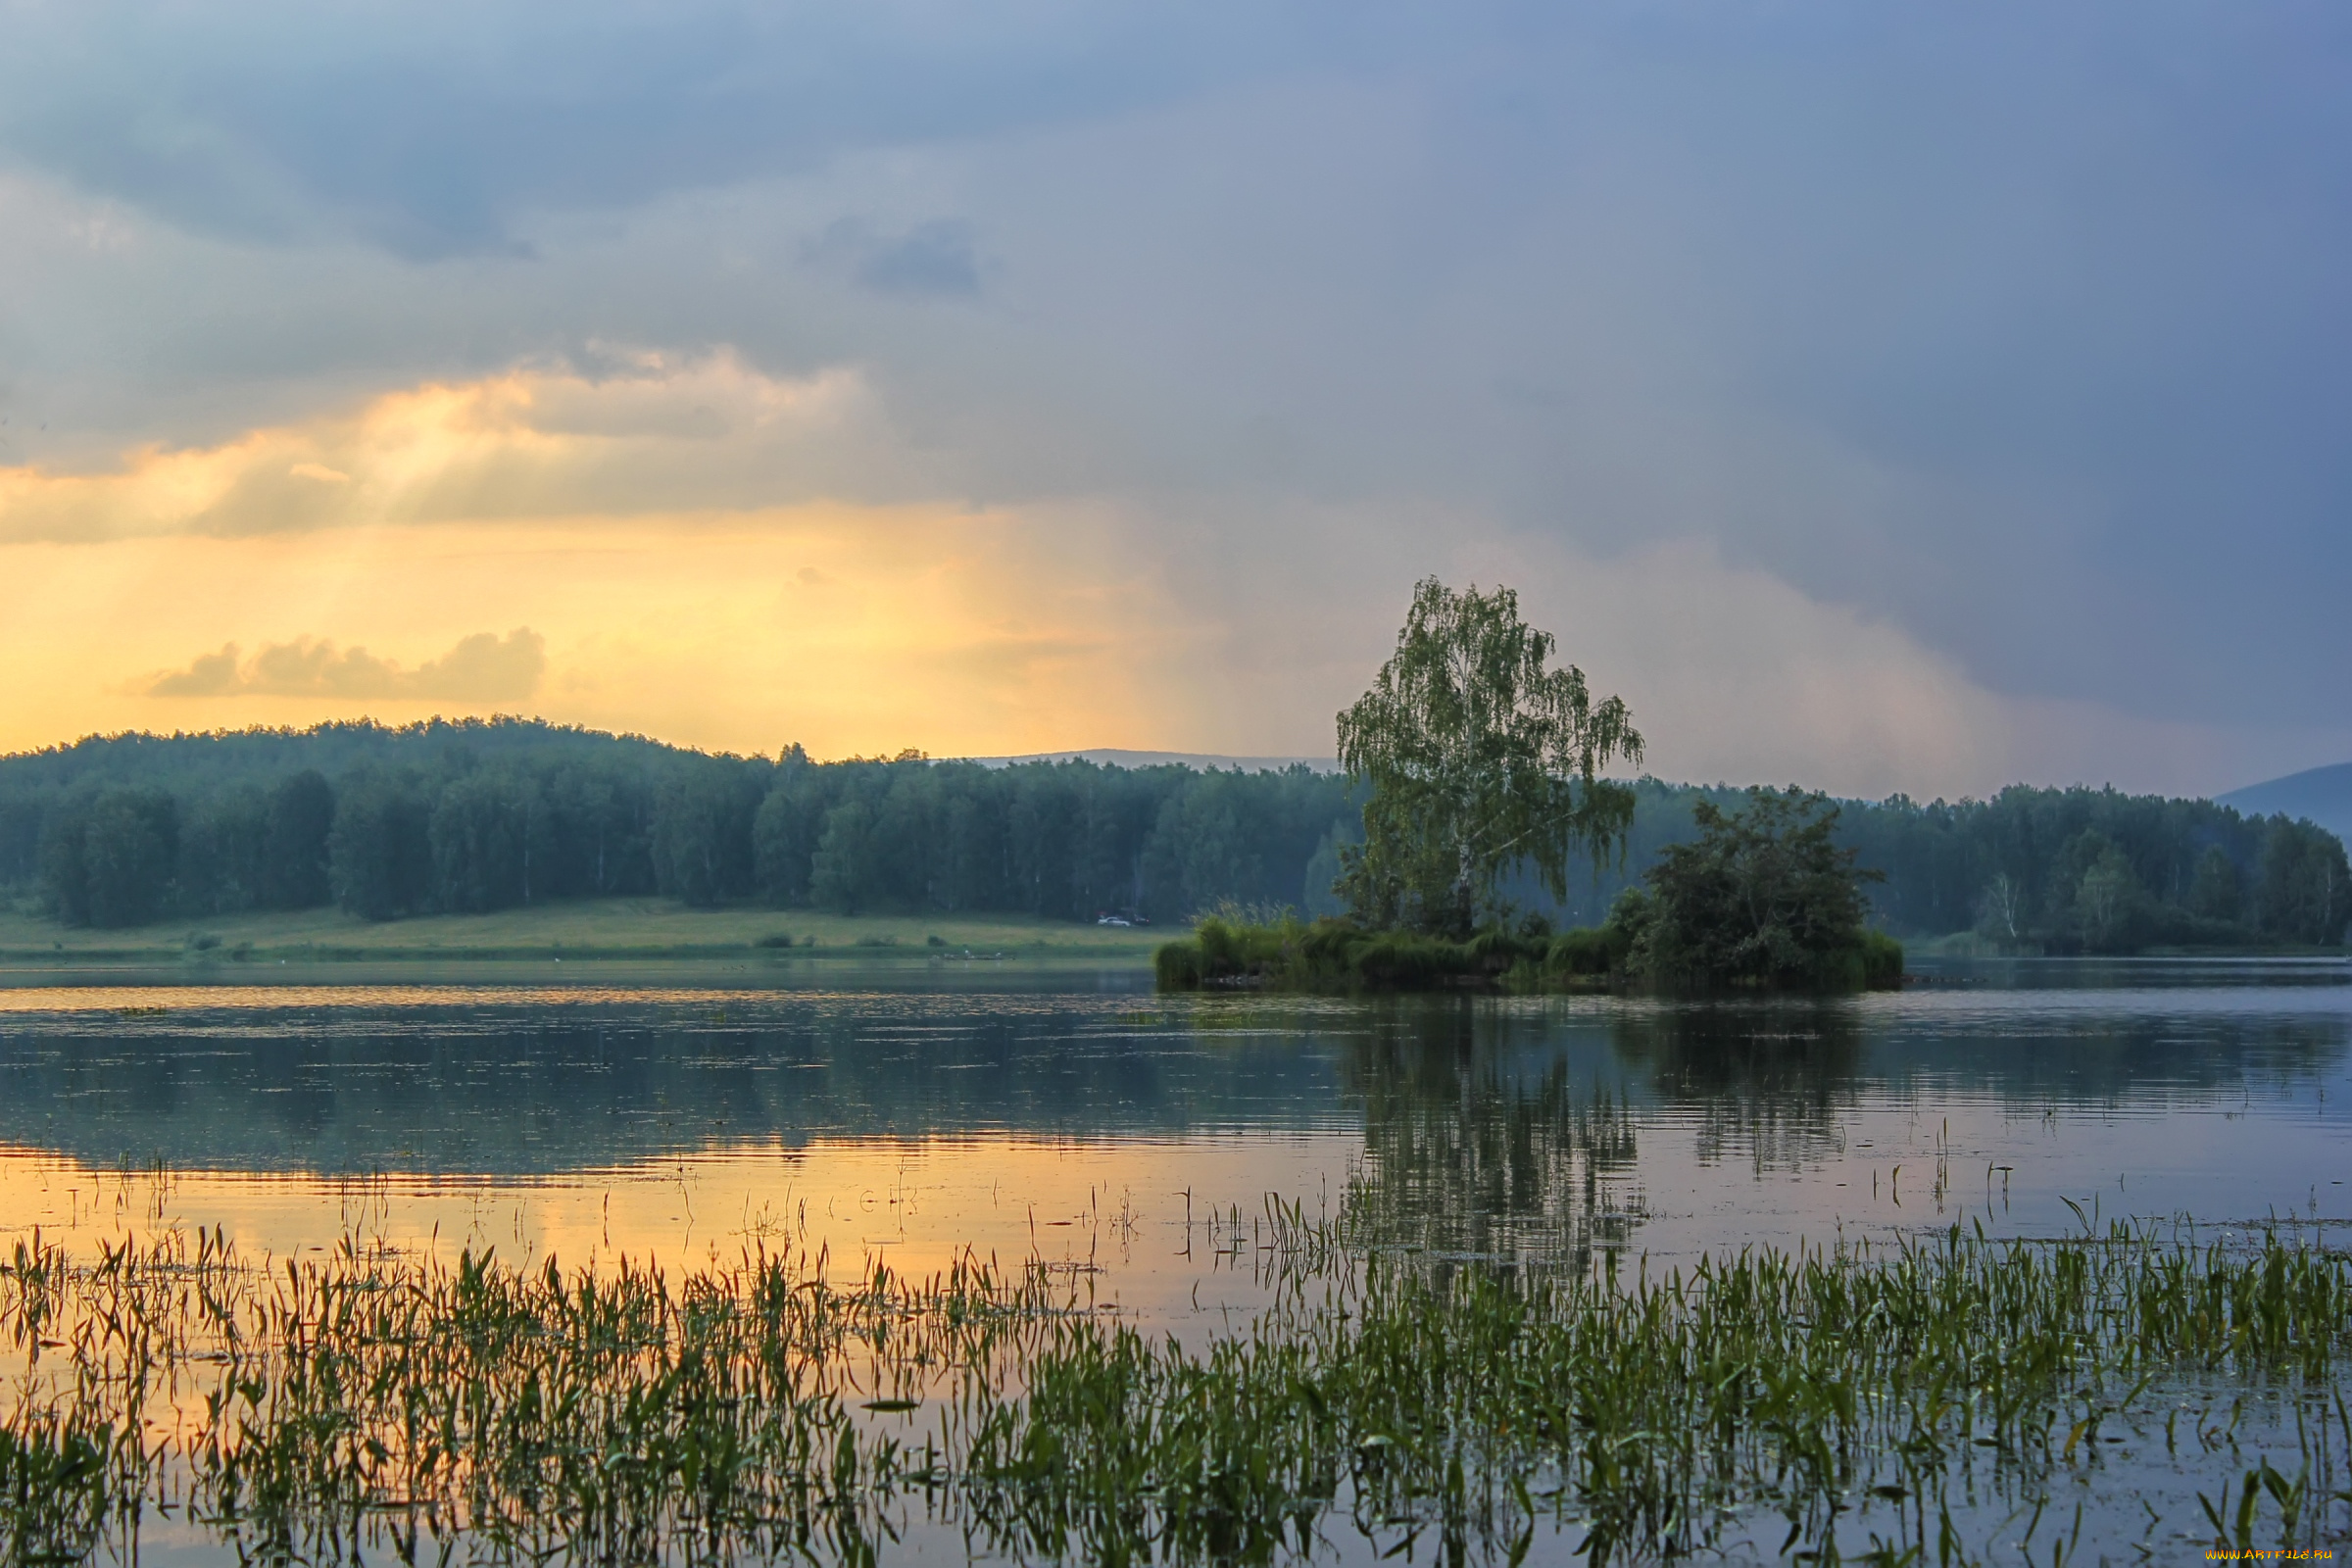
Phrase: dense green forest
x=486 y=814
x=474 y=815
x=2044 y=870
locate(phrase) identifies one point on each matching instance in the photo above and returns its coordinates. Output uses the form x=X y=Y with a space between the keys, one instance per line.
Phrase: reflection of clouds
x=2094 y=1032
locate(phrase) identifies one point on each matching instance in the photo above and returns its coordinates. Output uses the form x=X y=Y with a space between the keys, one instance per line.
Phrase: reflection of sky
x=688 y=1126
x=1107 y=1218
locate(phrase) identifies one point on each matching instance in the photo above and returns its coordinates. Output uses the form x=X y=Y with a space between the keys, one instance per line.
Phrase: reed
x=372 y=1404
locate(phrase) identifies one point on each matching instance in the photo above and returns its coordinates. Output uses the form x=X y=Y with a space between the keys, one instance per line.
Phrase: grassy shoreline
x=589 y=930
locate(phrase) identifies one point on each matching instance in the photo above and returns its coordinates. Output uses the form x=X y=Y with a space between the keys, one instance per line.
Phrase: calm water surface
x=1136 y=1139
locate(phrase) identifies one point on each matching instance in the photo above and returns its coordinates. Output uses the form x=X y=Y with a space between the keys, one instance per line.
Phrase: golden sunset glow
x=453 y=512
x=852 y=632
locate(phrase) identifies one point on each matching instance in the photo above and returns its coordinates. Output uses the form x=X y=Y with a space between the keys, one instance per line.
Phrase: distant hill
x=1113 y=756
x=2321 y=794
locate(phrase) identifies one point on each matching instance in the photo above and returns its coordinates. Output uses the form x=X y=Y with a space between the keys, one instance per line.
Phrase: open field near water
x=574 y=930
x=1905 y=1404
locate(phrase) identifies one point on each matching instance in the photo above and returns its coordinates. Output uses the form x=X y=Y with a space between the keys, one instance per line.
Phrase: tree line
x=486 y=814
x=469 y=817
x=2038 y=869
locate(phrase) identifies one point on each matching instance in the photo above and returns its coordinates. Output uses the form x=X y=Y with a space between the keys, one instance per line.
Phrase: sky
x=1883 y=397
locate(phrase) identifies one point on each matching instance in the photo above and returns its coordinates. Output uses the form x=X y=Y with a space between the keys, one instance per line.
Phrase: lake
x=1139 y=1145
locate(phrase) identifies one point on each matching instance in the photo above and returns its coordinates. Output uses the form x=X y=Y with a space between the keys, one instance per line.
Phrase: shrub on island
x=1339 y=955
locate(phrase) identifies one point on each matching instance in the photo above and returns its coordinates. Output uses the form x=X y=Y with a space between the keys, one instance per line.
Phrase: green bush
x=1588 y=952
x=1337 y=955
x=1763 y=900
x=1179 y=967
x=1882 y=961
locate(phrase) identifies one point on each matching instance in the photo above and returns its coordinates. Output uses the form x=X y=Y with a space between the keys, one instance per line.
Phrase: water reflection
x=1475 y=1147
x=1462 y=1127
x=532 y=1086
x=1769 y=1084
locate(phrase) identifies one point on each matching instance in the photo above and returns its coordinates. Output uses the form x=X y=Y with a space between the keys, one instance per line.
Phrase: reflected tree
x=1769 y=1083
x=1470 y=1152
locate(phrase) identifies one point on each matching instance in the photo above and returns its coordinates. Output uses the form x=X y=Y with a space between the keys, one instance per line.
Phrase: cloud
x=690 y=483
x=633 y=434
x=2018 y=343
x=428 y=129
x=482 y=669
x=864 y=629
x=939 y=259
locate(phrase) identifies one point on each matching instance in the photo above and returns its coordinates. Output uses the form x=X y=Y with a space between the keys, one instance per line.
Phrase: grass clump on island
x=1338 y=954
x=375 y=1405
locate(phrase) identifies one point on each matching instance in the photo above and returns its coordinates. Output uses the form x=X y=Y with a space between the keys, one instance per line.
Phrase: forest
x=2045 y=871
x=474 y=815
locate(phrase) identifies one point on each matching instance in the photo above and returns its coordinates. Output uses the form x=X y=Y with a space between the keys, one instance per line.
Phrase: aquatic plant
x=371 y=1403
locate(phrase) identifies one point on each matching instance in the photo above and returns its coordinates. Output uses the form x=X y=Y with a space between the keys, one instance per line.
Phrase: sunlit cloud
x=641 y=434
x=482 y=669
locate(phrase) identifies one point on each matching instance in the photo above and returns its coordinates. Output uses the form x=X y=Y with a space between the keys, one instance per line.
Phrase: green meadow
x=575 y=930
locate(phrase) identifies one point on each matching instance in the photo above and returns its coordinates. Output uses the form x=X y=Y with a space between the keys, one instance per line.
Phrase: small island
x=1479 y=760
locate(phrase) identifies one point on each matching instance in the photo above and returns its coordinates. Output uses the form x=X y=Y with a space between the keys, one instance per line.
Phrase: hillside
x=2322 y=795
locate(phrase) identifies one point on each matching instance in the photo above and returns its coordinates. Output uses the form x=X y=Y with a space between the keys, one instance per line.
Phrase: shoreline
x=587 y=932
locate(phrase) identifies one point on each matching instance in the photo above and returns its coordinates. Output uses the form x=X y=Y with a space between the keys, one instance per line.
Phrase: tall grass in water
x=380 y=1404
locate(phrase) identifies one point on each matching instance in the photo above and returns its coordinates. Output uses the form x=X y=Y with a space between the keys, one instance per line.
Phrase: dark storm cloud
x=427 y=127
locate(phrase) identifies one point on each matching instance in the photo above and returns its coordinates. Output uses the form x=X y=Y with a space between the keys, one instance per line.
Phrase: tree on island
x=1763 y=899
x=1479 y=758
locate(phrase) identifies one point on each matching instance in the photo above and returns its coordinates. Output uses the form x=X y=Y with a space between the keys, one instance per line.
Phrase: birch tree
x=1480 y=757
